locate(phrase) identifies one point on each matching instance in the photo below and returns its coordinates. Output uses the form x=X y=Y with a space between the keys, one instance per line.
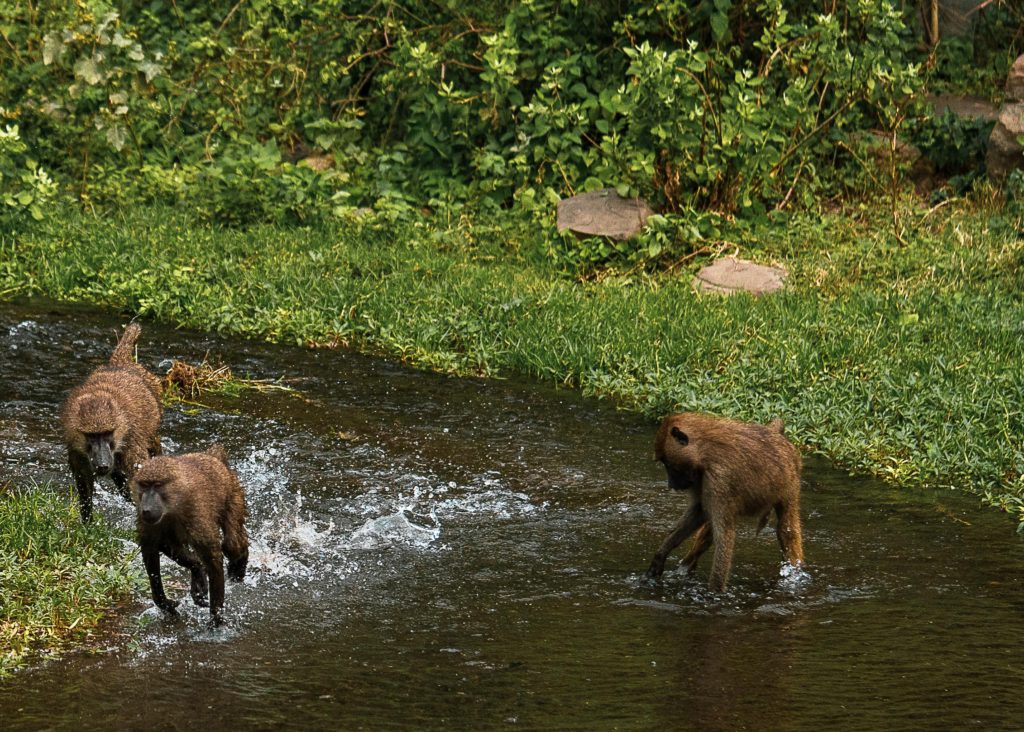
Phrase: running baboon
x=183 y=505
x=111 y=422
x=730 y=469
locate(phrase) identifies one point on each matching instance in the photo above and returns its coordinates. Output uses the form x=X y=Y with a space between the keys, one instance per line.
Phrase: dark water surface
x=431 y=552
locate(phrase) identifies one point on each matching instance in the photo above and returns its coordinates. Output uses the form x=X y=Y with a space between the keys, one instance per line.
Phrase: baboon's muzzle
x=151 y=508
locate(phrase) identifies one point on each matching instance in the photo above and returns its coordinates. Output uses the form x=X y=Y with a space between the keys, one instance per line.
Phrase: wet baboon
x=184 y=503
x=111 y=422
x=730 y=469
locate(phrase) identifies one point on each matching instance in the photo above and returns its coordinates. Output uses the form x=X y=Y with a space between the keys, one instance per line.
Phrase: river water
x=431 y=552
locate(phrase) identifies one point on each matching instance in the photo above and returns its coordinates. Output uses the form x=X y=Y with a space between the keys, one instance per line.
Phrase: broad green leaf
x=88 y=70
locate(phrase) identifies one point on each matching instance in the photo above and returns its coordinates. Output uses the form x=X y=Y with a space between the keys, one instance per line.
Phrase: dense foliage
x=397 y=104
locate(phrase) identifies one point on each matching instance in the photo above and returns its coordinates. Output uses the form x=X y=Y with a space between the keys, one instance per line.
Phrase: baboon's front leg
x=121 y=483
x=151 y=559
x=188 y=559
x=725 y=540
x=691 y=521
x=84 y=485
x=789 y=534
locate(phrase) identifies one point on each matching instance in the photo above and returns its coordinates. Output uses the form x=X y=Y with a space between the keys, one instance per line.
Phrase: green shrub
x=25 y=188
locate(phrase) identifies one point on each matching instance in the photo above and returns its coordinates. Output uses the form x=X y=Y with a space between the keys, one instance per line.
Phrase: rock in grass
x=603 y=213
x=729 y=275
x=1004 y=153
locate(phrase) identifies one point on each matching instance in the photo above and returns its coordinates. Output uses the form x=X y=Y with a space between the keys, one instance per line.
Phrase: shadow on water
x=434 y=552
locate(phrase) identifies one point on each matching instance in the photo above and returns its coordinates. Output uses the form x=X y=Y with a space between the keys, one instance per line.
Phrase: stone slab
x=603 y=213
x=971 y=107
x=729 y=275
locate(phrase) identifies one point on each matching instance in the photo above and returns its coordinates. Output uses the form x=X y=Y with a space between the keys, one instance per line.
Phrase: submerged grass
x=185 y=382
x=902 y=357
x=58 y=578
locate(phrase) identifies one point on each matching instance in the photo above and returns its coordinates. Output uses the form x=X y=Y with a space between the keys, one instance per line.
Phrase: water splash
x=400 y=528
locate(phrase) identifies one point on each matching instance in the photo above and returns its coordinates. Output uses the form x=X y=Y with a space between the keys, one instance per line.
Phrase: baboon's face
x=101 y=449
x=152 y=500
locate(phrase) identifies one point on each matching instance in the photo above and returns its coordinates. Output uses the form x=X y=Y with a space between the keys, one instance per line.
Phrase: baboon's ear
x=680 y=436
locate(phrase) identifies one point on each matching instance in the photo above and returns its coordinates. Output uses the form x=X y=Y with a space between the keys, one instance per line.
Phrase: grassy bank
x=58 y=578
x=903 y=358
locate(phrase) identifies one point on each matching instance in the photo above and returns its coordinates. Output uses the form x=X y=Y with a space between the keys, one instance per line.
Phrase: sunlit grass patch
x=899 y=356
x=58 y=578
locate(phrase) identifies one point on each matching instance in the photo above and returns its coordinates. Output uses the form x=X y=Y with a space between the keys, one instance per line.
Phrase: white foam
x=399 y=528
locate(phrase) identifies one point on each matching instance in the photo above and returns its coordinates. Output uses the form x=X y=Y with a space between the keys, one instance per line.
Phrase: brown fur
x=121 y=399
x=184 y=505
x=730 y=469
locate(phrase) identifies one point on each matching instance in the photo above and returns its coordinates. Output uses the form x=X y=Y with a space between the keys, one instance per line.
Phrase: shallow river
x=430 y=552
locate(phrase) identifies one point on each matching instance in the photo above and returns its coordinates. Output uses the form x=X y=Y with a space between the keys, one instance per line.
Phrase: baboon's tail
x=124 y=353
x=218 y=451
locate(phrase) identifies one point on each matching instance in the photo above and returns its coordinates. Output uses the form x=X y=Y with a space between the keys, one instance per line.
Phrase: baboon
x=111 y=422
x=183 y=504
x=730 y=469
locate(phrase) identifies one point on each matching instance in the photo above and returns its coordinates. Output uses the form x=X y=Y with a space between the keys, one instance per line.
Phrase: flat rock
x=970 y=107
x=1004 y=152
x=729 y=275
x=603 y=213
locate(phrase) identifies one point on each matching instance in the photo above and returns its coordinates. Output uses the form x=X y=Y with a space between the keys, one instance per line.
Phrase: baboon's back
x=756 y=462
x=132 y=392
x=206 y=490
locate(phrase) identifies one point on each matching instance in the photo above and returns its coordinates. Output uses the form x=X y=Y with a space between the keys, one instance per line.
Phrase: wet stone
x=603 y=213
x=729 y=275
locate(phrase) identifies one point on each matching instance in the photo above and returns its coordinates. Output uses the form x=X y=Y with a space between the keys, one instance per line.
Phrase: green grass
x=58 y=578
x=898 y=357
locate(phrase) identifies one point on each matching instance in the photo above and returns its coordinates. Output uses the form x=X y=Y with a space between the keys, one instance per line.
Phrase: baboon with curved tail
x=184 y=506
x=730 y=469
x=111 y=422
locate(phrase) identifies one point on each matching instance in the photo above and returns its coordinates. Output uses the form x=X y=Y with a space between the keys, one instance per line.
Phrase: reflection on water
x=430 y=552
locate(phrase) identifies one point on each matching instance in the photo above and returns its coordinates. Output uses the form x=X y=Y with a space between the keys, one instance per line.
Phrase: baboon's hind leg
x=236 y=541
x=701 y=543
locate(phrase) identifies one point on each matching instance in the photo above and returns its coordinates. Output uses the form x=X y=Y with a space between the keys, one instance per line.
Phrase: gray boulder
x=729 y=275
x=603 y=213
x=1004 y=153
x=1015 y=81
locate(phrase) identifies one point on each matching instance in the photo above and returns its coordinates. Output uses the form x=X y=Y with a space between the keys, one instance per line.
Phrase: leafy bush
x=706 y=105
x=25 y=188
x=725 y=129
